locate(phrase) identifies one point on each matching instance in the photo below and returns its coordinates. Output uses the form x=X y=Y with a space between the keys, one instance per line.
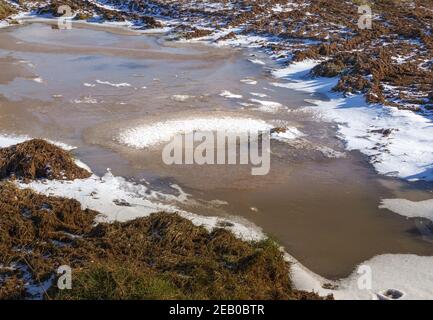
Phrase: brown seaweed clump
x=38 y=159
x=163 y=256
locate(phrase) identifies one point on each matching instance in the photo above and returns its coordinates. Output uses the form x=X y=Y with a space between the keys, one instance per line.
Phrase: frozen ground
x=397 y=142
x=402 y=276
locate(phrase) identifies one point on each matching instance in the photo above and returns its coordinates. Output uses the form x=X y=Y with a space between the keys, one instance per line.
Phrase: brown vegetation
x=5 y=10
x=197 y=33
x=38 y=159
x=85 y=10
x=162 y=256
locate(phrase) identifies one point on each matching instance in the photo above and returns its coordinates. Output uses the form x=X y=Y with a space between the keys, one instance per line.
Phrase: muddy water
x=84 y=86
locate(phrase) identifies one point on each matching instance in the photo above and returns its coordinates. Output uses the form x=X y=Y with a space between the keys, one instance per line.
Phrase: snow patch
x=181 y=97
x=249 y=81
x=410 y=209
x=267 y=106
x=160 y=132
x=398 y=142
x=228 y=94
x=408 y=274
x=116 y=85
x=85 y=100
x=394 y=276
x=257 y=61
x=120 y=200
x=291 y=133
x=258 y=94
x=331 y=153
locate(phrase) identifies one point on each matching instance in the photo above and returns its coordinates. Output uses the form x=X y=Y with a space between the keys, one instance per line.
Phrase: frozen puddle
x=315 y=188
x=160 y=132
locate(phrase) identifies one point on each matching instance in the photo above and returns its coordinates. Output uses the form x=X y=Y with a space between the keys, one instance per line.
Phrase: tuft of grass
x=165 y=256
x=114 y=281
